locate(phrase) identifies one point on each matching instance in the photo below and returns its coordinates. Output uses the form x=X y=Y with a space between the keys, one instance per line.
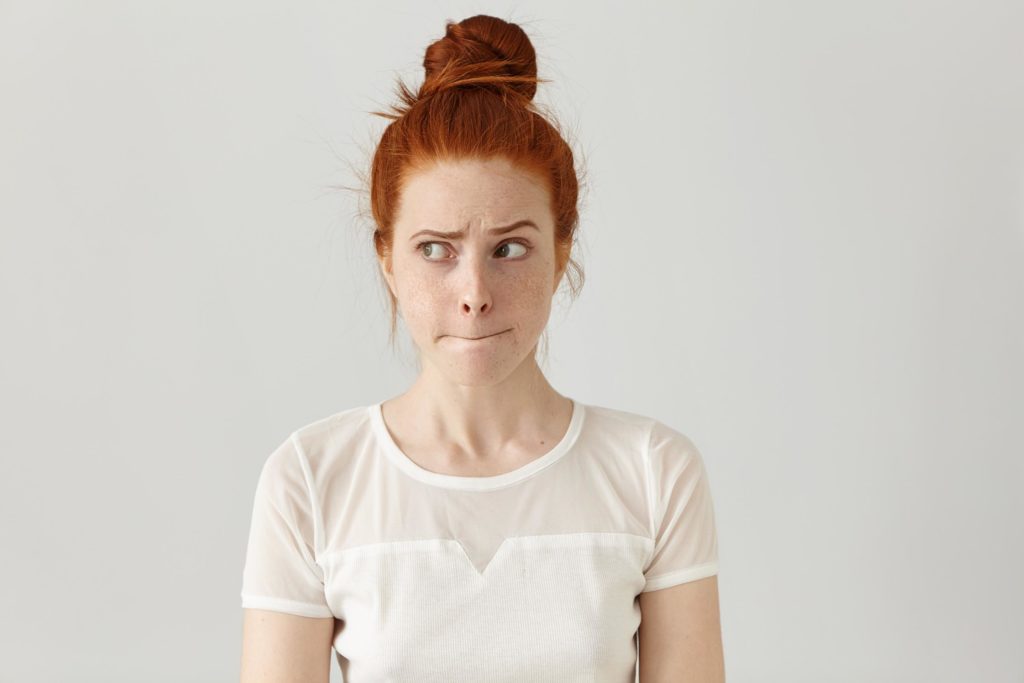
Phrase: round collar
x=451 y=481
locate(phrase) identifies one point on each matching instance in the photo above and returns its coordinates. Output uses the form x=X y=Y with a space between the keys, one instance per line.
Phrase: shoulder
x=650 y=435
x=332 y=436
x=314 y=445
x=353 y=418
x=616 y=427
x=666 y=442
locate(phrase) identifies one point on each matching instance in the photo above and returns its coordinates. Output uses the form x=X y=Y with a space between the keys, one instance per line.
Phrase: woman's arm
x=681 y=634
x=285 y=648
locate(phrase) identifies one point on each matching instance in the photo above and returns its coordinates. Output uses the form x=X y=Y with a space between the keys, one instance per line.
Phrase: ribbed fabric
x=532 y=575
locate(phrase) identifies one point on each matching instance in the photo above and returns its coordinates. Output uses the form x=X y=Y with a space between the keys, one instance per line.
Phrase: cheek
x=528 y=294
x=420 y=295
x=529 y=287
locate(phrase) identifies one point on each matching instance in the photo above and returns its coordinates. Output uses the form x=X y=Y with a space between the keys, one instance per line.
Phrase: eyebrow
x=457 y=234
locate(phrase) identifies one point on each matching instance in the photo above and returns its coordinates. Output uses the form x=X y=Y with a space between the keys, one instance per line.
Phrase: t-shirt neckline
x=469 y=483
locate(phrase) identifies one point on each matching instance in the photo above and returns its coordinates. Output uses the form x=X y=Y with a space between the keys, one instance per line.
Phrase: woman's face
x=454 y=289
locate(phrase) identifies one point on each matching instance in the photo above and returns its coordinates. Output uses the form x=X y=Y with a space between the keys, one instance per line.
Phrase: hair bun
x=481 y=52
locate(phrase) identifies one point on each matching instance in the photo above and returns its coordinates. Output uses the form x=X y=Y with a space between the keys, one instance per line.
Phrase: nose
x=475 y=295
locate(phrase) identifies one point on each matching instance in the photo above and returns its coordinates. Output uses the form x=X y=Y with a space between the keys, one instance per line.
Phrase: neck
x=483 y=419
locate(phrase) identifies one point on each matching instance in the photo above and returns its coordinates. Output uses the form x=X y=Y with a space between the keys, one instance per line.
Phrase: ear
x=558 y=279
x=389 y=277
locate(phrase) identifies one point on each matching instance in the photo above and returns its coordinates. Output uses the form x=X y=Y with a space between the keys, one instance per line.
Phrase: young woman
x=480 y=526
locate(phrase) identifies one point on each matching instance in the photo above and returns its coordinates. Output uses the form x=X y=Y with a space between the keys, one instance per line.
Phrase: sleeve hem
x=700 y=571
x=302 y=609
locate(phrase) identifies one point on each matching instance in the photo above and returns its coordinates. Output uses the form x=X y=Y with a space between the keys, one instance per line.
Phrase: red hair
x=475 y=103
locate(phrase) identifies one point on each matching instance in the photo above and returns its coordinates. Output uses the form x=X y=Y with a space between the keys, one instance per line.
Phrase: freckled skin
x=474 y=286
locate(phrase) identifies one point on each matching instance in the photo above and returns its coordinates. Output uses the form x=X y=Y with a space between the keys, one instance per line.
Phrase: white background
x=803 y=235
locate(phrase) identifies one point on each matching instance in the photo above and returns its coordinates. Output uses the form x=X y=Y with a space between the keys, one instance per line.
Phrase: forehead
x=451 y=194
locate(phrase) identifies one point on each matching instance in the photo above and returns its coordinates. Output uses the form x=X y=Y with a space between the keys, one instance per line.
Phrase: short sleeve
x=281 y=572
x=682 y=511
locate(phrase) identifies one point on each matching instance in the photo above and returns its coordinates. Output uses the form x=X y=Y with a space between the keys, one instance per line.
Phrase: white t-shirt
x=532 y=575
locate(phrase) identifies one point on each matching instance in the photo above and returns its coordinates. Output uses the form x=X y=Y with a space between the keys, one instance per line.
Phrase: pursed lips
x=476 y=338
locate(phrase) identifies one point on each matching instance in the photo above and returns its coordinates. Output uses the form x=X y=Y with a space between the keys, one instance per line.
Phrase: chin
x=478 y=369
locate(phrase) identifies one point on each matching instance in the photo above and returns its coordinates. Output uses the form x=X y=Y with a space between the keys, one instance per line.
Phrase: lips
x=482 y=337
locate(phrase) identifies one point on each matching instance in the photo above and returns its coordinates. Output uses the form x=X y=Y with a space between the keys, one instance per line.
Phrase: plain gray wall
x=803 y=236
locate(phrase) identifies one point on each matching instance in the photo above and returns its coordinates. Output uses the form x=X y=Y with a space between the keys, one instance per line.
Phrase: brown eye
x=515 y=244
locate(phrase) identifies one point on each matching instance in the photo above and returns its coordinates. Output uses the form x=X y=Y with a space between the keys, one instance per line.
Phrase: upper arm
x=288 y=626
x=680 y=634
x=285 y=648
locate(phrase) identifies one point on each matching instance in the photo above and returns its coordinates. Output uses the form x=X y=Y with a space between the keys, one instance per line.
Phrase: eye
x=420 y=246
x=510 y=243
x=515 y=243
